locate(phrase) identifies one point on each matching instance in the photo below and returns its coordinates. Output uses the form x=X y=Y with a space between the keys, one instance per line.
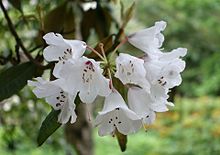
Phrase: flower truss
x=148 y=79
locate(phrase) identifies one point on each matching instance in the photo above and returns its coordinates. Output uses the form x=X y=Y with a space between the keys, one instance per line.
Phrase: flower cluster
x=148 y=79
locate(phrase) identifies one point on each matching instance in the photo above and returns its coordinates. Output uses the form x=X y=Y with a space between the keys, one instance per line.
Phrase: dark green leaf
x=122 y=140
x=16 y=4
x=98 y=19
x=87 y=23
x=48 y=127
x=120 y=87
x=66 y=16
x=15 y=78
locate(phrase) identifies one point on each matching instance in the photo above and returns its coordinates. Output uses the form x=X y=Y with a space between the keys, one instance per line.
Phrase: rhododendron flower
x=61 y=49
x=166 y=68
x=130 y=70
x=85 y=76
x=144 y=105
x=148 y=79
x=56 y=97
x=150 y=39
x=116 y=115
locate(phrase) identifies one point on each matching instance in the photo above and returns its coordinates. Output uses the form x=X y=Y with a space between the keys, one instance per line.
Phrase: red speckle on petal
x=88 y=63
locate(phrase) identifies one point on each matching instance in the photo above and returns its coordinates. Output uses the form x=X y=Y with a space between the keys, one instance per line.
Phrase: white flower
x=150 y=39
x=85 y=76
x=56 y=97
x=131 y=70
x=61 y=49
x=165 y=69
x=145 y=105
x=116 y=115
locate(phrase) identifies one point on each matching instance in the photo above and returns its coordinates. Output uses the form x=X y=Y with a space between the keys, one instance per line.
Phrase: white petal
x=112 y=101
x=104 y=89
x=159 y=106
x=131 y=70
x=176 y=53
x=78 y=47
x=150 y=118
x=139 y=101
x=52 y=53
x=88 y=96
x=105 y=127
x=150 y=39
x=54 y=39
x=128 y=126
x=115 y=114
x=51 y=100
x=87 y=77
x=62 y=83
x=57 y=69
x=43 y=88
x=67 y=112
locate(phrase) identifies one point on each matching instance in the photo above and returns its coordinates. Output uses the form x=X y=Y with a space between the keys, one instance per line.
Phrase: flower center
x=115 y=119
x=127 y=69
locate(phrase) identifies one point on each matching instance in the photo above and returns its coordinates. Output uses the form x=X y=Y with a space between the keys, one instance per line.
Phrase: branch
x=17 y=38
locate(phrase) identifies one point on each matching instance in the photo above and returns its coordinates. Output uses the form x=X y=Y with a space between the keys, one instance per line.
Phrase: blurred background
x=192 y=127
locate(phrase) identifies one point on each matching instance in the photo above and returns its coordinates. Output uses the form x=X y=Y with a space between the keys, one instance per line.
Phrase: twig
x=97 y=53
x=101 y=46
x=17 y=53
x=17 y=38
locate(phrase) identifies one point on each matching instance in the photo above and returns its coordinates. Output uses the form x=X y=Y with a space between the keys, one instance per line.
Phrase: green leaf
x=128 y=14
x=122 y=140
x=99 y=19
x=48 y=127
x=120 y=88
x=16 y=4
x=66 y=16
x=15 y=78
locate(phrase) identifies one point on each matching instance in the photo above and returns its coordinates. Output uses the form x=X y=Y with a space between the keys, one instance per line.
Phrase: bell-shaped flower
x=116 y=115
x=130 y=70
x=145 y=105
x=85 y=76
x=166 y=68
x=150 y=39
x=56 y=97
x=61 y=49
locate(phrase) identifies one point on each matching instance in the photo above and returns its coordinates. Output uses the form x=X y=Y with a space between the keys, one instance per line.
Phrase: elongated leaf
x=16 y=4
x=15 y=78
x=61 y=20
x=48 y=127
x=128 y=14
x=122 y=140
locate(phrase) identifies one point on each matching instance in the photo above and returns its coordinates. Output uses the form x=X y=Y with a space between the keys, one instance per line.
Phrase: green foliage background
x=192 y=127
